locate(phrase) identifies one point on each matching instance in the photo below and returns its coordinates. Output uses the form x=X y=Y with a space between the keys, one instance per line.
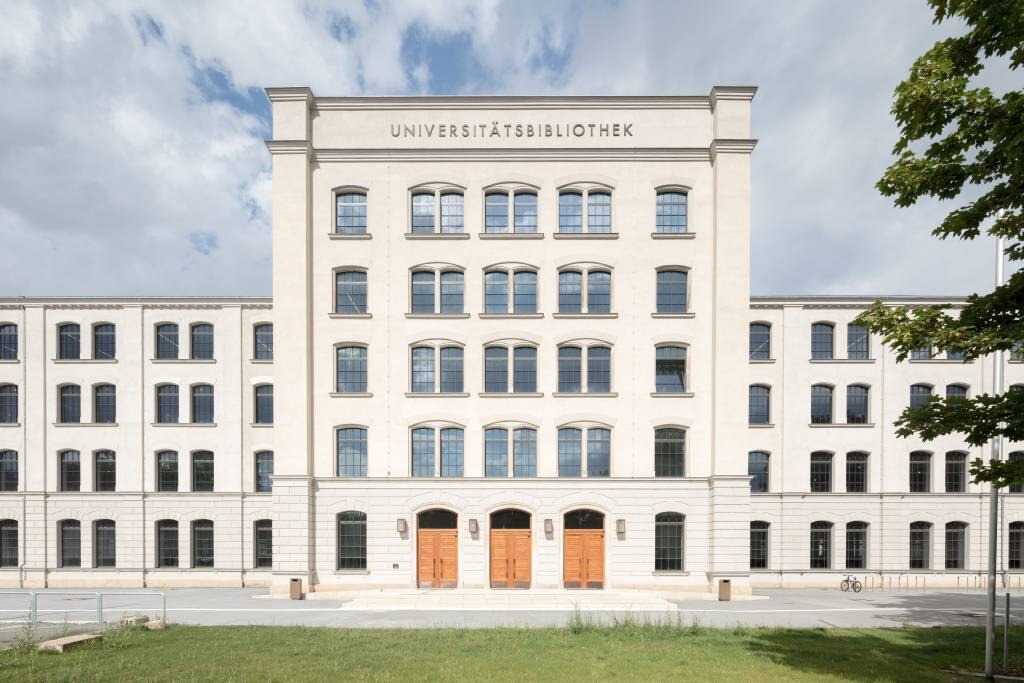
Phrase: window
x=452 y=212
x=263 y=544
x=496 y=212
x=669 y=452
x=351 y=540
x=570 y=212
x=104 y=543
x=70 y=403
x=524 y=452
x=9 y=347
x=8 y=404
x=599 y=291
x=955 y=355
x=451 y=448
x=1017 y=351
x=857 y=342
x=920 y=542
x=856 y=404
x=263 y=341
x=8 y=471
x=524 y=370
x=1016 y=456
x=759 y=404
x=670 y=370
x=452 y=291
x=599 y=452
x=856 y=472
x=921 y=353
x=70 y=471
x=821 y=404
x=757 y=468
x=167 y=341
x=821 y=545
x=956 y=472
x=264 y=404
x=759 y=545
x=202 y=404
x=956 y=392
x=350 y=292
x=956 y=545
x=1016 y=552
x=671 y=212
x=422 y=367
x=423 y=291
x=570 y=370
x=524 y=299
x=202 y=544
x=599 y=369
x=264 y=463
x=496 y=369
x=104 y=342
x=351 y=369
x=821 y=472
x=525 y=212
x=760 y=341
x=821 y=341
x=202 y=471
x=350 y=213
x=167 y=471
x=423 y=452
x=104 y=404
x=8 y=543
x=570 y=292
x=920 y=472
x=167 y=403
x=69 y=339
x=452 y=452
x=70 y=543
x=920 y=395
x=352 y=452
x=166 y=543
x=202 y=342
x=496 y=292
x=495 y=452
x=856 y=545
x=595 y=300
x=671 y=291
x=599 y=212
x=668 y=542
x=104 y=471
x=422 y=212
x=570 y=452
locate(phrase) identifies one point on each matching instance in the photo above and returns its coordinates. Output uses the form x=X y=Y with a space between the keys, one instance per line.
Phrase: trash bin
x=724 y=590
x=295 y=589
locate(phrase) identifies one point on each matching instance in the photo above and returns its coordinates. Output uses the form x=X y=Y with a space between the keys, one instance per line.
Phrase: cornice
x=289 y=146
x=510 y=103
x=731 y=147
x=732 y=92
x=558 y=154
x=294 y=94
x=840 y=301
x=94 y=303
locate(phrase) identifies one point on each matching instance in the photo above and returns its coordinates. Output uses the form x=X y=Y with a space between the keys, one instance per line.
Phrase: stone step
x=60 y=645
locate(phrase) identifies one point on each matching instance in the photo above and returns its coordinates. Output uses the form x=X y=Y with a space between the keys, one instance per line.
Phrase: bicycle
x=851 y=582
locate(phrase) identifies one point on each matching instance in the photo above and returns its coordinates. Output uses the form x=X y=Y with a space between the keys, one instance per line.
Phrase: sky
x=132 y=156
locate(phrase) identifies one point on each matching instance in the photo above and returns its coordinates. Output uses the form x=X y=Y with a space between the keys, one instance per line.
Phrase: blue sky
x=131 y=137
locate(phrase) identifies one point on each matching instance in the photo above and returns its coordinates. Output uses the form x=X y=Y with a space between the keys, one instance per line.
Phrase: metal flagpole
x=993 y=510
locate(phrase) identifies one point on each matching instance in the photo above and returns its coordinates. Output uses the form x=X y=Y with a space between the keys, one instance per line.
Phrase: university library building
x=511 y=345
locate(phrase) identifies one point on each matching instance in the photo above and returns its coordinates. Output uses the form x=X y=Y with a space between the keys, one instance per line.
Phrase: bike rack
x=33 y=607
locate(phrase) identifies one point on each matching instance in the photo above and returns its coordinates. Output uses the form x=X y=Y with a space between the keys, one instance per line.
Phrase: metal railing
x=33 y=596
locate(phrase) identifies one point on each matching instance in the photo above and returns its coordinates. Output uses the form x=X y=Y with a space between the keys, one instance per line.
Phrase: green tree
x=955 y=135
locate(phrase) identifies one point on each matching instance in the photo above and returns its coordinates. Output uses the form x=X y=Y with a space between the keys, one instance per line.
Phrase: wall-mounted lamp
x=549 y=526
x=403 y=526
x=620 y=527
x=474 y=528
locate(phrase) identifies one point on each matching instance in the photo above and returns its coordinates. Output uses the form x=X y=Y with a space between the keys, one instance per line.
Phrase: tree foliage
x=954 y=135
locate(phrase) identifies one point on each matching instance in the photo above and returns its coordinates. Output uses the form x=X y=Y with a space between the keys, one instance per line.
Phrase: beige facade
x=580 y=196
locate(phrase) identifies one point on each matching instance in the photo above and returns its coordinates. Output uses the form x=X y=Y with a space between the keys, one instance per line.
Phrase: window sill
x=511 y=394
x=842 y=361
x=671 y=394
x=584 y=315
x=351 y=572
x=502 y=316
x=585 y=394
x=261 y=425
x=673 y=235
x=351 y=394
x=511 y=235
x=10 y=424
x=865 y=425
x=939 y=361
x=761 y=426
x=688 y=316
x=261 y=361
x=762 y=361
x=437 y=235
x=670 y=572
x=73 y=361
x=427 y=316
x=183 y=424
x=84 y=424
x=13 y=361
x=196 y=361
x=347 y=316
x=436 y=394
x=586 y=235
x=345 y=236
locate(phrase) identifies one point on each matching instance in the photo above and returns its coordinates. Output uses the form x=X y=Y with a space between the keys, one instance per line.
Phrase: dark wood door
x=583 y=558
x=511 y=551
x=437 y=563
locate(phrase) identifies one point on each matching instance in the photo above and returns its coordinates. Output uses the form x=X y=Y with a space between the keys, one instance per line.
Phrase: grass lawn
x=627 y=652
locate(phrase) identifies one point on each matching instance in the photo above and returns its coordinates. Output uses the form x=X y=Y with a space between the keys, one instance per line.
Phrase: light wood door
x=437 y=563
x=583 y=558
x=511 y=551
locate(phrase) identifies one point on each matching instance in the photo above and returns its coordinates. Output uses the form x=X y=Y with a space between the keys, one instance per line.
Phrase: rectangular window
x=105 y=543
x=821 y=404
x=570 y=369
x=352 y=452
x=856 y=545
x=8 y=471
x=350 y=214
x=670 y=370
x=525 y=212
x=70 y=543
x=599 y=453
x=167 y=544
x=668 y=542
x=570 y=212
x=452 y=452
x=821 y=473
x=423 y=292
x=452 y=212
x=524 y=453
x=599 y=291
x=263 y=544
x=265 y=404
x=167 y=471
x=350 y=292
x=669 y=452
x=202 y=404
x=495 y=453
x=920 y=535
x=9 y=343
x=166 y=404
x=599 y=212
x=202 y=544
x=570 y=292
x=352 y=371
x=857 y=342
x=496 y=212
x=671 y=291
x=525 y=292
x=956 y=537
x=524 y=370
x=104 y=342
x=422 y=213
x=70 y=342
x=570 y=452
x=264 y=462
x=104 y=471
x=671 y=212
x=452 y=292
x=167 y=342
x=422 y=370
x=856 y=404
x=759 y=405
x=496 y=369
x=496 y=292
x=8 y=543
x=202 y=471
x=821 y=546
x=856 y=473
x=451 y=370
x=1016 y=552
x=8 y=404
x=423 y=452
x=599 y=370
x=70 y=403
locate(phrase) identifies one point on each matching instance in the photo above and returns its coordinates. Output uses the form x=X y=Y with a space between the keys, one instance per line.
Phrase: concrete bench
x=68 y=642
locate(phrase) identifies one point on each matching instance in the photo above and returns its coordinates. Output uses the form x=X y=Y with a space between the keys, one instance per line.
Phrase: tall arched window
x=760 y=341
x=1016 y=550
x=856 y=404
x=821 y=472
x=671 y=291
x=423 y=291
x=821 y=545
x=496 y=212
x=70 y=534
x=104 y=476
x=104 y=543
x=8 y=404
x=822 y=341
x=956 y=392
x=350 y=292
x=856 y=472
x=821 y=404
x=202 y=404
x=8 y=341
x=570 y=291
x=104 y=341
x=524 y=212
x=263 y=462
x=759 y=545
x=956 y=545
x=202 y=341
x=920 y=545
x=70 y=471
x=167 y=341
x=69 y=338
x=757 y=468
x=422 y=212
x=352 y=452
x=452 y=212
x=669 y=452
x=352 y=370
x=202 y=471
x=8 y=470
x=920 y=394
x=856 y=545
x=956 y=472
x=350 y=213
x=263 y=544
x=1016 y=456
x=351 y=540
x=167 y=471
x=570 y=212
x=166 y=543
x=264 y=412
x=263 y=341
x=599 y=212
x=670 y=369
x=668 y=542
x=496 y=292
x=496 y=452
x=70 y=403
x=858 y=342
x=104 y=404
x=8 y=543
x=920 y=472
x=671 y=212
x=167 y=403
x=759 y=404
x=202 y=544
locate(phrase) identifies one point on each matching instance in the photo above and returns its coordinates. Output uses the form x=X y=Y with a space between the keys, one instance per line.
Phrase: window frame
x=356 y=561
x=348 y=191
x=659 y=295
x=667 y=546
x=358 y=300
x=351 y=469
x=586 y=431
x=104 y=341
x=586 y=208
x=659 y=213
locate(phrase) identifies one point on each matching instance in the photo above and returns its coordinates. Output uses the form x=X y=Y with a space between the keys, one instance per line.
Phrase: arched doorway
x=437 y=549
x=511 y=549
x=583 y=549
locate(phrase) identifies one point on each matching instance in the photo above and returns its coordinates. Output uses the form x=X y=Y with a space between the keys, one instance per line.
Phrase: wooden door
x=437 y=562
x=583 y=558
x=511 y=551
